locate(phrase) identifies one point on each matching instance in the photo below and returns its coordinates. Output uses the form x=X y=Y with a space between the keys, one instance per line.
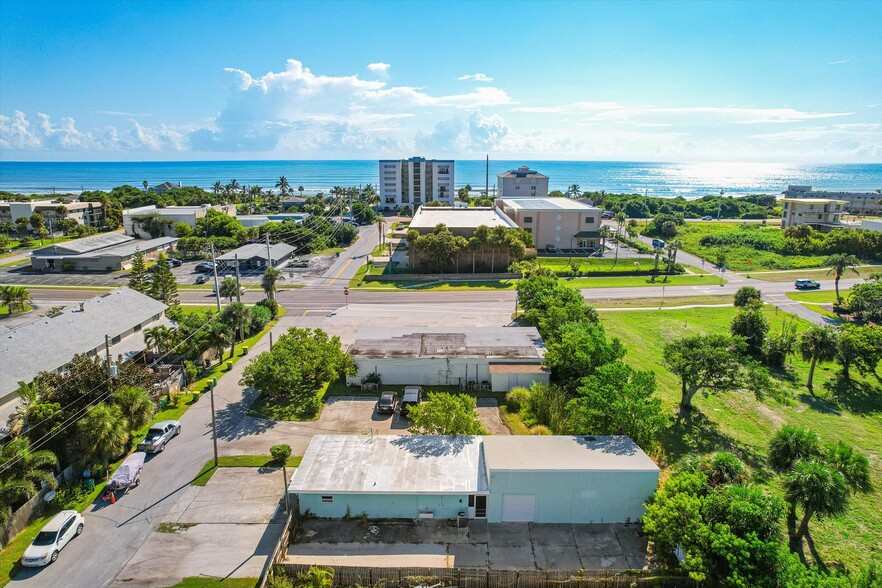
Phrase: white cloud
x=475 y=134
x=379 y=67
x=841 y=61
x=477 y=77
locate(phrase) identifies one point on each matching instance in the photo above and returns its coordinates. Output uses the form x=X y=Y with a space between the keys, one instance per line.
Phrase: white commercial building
x=133 y=218
x=497 y=359
x=822 y=214
x=415 y=181
x=521 y=183
x=854 y=202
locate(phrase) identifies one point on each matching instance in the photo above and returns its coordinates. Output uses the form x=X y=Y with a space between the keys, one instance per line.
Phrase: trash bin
x=229 y=365
x=88 y=484
x=244 y=350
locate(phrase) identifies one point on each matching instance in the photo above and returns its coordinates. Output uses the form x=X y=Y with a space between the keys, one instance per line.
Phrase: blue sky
x=716 y=81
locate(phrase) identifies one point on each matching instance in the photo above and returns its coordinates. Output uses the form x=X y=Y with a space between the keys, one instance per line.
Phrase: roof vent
x=590 y=438
x=82 y=307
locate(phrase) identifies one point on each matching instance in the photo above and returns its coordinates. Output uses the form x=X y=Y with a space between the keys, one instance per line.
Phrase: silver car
x=158 y=435
x=52 y=538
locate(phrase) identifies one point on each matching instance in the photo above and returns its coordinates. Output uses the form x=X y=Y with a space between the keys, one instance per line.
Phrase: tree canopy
x=446 y=414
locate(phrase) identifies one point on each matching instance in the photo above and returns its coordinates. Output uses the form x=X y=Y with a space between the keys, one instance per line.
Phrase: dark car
x=807 y=285
x=387 y=403
x=204 y=267
x=174 y=262
x=413 y=395
x=550 y=249
x=607 y=214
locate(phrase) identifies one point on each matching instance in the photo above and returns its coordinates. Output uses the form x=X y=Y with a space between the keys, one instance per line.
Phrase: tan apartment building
x=854 y=202
x=521 y=183
x=90 y=214
x=172 y=215
x=819 y=213
x=561 y=223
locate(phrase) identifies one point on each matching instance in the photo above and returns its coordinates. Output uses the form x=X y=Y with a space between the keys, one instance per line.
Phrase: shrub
x=272 y=305
x=517 y=399
x=260 y=317
x=746 y=294
x=548 y=403
x=540 y=430
x=280 y=453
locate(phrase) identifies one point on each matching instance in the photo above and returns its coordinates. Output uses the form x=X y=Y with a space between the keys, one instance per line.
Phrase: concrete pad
x=599 y=562
x=593 y=541
x=512 y=558
x=233 y=495
x=556 y=557
x=478 y=531
x=469 y=555
x=488 y=412
x=381 y=555
x=217 y=551
x=637 y=563
x=508 y=534
x=560 y=535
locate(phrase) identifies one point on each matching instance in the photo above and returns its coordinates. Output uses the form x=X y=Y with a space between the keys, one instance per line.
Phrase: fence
x=448 y=277
x=478 y=578
x=31 y=509
x=280 y=551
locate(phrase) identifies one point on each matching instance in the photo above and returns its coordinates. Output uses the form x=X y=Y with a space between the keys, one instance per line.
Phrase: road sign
x=345 y=291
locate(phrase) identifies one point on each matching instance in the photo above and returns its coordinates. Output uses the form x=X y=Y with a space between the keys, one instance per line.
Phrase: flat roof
x=812 y=200
x=485 y=343
x=548 y=204
x=428 y=217
x=84 y=245
x=558 y=453
x=48 y=343
x=518 y=368
x=522 y=172
x=391 y=464
x=252 y=250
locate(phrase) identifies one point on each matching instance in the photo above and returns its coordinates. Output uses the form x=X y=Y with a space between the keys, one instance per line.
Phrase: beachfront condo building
x=521 y=183
x=90 y=214
x=415 y=181
x=819 y=213
x=855 y=202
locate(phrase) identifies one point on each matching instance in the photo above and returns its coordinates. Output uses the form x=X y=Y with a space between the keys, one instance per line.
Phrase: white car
x=52 y=538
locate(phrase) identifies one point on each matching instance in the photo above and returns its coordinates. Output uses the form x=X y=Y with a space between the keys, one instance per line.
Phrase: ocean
x=659 y=179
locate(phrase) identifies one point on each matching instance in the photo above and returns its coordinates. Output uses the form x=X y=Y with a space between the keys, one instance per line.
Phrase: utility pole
x=216 y=286
x=238 y=287
x=269 y=256
x=213 y=421
x=107 y=355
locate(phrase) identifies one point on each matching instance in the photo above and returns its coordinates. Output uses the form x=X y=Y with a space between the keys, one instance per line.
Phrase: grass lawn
x=240 y=461
x=740 y=257
x=817 y=274
x=440 y=286
x=739 y=423
x=661 y=302
x=4 y=310
x=817 y=296
x=203 y=582
x=642 y=281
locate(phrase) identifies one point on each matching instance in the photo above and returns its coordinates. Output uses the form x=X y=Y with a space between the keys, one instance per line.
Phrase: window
x=528 y=219
x=327 y=499
x=589 y=220
x=115 y=340
x=137 y=328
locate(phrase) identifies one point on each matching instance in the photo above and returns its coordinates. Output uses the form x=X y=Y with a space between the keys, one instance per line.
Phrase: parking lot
x=502 y=546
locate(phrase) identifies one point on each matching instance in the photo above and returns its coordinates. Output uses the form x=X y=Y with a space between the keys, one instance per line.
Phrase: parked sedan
x=174 y=262
x=706 y=218
x=52 y=538
x=158 y=435
x=807 y=285
x=204 y=267
x=387 y=403
x=203 y=278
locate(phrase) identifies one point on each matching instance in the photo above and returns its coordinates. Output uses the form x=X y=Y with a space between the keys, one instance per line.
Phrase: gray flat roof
x=84 y=245
x=460 y=218
x=48 y=343
x=521 y=172
x=548 y=453
x=486 y=343
x=548 y=204
x=252 y=250
x=391 y=464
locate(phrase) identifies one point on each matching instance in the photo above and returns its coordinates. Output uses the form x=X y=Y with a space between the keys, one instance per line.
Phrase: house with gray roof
x=48 y=343
x=256 y=256
x=522 y=182
x=105 y=252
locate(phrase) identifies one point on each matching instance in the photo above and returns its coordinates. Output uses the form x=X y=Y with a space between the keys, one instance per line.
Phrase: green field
x=657 y=301
x=818 y=296
x=642 y=281
x=739 y=423
x=816 y=274
x=739 y=257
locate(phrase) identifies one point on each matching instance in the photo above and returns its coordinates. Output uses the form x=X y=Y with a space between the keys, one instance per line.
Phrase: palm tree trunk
x=803 y=526
x=811 y=374
x=836 y=284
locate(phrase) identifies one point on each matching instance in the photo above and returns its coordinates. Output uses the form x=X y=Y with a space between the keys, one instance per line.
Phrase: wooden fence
x=479 y=578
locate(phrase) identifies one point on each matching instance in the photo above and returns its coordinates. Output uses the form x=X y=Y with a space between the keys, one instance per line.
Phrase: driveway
x=502 y=546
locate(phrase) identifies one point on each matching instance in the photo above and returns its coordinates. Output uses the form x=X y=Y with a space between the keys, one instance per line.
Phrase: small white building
x=132 y=217
x=257 y=220
x=90 y=214
x=854 y=202
x=497 y=359
x=460 y=221
x=822 y=214
x=104 y=252
x=521 y=183
x=415 y=181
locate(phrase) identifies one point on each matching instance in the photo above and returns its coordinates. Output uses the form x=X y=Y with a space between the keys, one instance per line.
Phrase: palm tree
x=158 y=338
x=657 y=251
x=21 y=470
x=282 y=185
x=15 y=298
x=136 y=406
x=229 y=288
x=574 y=191
x=853 y=465
x=28 y=394
x=237 y=317
x=234 y=185
x=819 y=489
x=268 y=282
x=817 y=344
x=101 y=435
x=300 y=189
x=838 y=263
x=789 y=446
x=217 y=188
x=217 y=336
x=605 y=233
x=381 y=224
x=146 y=183
x=496 y=240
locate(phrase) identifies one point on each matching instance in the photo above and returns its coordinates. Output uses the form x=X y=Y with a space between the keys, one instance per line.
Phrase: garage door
x=518 y=508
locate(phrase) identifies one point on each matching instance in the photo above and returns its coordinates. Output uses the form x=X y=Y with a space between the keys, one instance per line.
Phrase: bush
x=540 y=430
x=517 y=399
x=548 y=403
x=260 y=317
x=67 y=266
x=746 y=294
x=272 y=305
x=69 y=495
x=280 y=453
